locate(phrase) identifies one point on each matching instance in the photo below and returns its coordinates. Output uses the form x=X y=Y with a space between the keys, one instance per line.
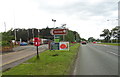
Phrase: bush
x=5 y=43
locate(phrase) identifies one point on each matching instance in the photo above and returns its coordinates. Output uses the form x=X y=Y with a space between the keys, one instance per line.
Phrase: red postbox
x=36 y=41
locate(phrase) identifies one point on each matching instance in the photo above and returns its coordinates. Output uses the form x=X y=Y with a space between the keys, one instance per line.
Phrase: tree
x=91 y=39
x=21 y=33
x=116 y=33
x=106 y=34
x=6 y=37
x=83 y=39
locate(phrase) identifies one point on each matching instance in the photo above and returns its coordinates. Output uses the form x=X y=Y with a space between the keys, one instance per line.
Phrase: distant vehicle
x=23 y=44
x=83 y=42
x=73 y=42
x=94 y=42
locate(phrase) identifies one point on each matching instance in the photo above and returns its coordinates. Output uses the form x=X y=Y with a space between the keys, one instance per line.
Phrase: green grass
x=47 y=64
x=114 y=44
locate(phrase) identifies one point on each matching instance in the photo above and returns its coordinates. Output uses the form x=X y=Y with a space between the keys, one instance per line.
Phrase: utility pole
x=5 y=26
x=15 y=29
x=15 y=34
x=33 y=33
x=28 y=34
x=38 y=32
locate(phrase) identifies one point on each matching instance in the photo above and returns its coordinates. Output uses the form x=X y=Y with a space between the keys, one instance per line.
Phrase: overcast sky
x=87 y=17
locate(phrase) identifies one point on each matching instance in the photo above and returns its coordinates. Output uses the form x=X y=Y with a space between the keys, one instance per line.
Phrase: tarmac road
x=95 y=59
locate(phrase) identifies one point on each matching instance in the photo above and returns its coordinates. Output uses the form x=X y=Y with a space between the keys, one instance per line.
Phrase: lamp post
x=54 y=22
x=63 y=26
x=112 y=31
x=54 y=26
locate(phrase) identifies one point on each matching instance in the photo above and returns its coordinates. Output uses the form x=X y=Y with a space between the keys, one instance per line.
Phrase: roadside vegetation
x=114 y=44
x=114 y=34
x=57 y=62
x=7 y=40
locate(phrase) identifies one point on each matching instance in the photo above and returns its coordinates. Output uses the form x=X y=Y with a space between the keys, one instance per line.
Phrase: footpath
x=19 y=55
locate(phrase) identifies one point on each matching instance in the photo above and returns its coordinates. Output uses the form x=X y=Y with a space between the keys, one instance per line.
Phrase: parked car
x=23 y=43
x=83 y=42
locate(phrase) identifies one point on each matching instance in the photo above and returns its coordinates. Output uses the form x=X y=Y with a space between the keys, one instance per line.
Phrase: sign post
x=37 y=43
x=58 y=31
x=57 y=45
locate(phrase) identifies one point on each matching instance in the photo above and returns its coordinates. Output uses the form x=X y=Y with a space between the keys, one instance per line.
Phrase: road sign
x=58 y=31
x=57 y=36
x=64 y=46
x=56 y=40
x=54 y=46
x=36 y=41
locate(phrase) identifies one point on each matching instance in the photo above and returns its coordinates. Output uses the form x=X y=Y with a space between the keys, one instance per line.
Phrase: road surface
x=96 y=59
x=21 y=54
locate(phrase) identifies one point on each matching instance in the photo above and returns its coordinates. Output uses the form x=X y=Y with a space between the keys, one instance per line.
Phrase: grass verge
x=114 y=44
x=50 y=63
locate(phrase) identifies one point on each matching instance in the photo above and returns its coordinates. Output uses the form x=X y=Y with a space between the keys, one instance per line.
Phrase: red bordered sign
x=64 y=46
x=36 y=41
x=58 y=31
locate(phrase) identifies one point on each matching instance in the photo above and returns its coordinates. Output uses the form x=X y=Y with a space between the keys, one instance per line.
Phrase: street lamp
x=112 y=31
x=54 y=26
x=63 y=26
x=54 y=22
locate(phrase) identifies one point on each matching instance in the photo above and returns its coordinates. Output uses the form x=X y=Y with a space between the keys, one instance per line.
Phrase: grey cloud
x=82 y=9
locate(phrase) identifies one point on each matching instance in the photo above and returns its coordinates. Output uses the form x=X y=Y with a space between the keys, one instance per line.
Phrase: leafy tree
x=106 y=34
x=6 y=37
x=116 y=33
x=27 y=34
x=83 y=39
x=70 y=36
x=91 y=39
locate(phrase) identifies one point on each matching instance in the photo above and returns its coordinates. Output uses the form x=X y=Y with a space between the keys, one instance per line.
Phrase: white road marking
x=112 y=53
x=74 y=73
x=106 y=51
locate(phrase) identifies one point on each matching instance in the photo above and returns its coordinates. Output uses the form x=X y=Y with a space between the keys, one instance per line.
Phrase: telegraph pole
x=33 y=32
x=5 y=26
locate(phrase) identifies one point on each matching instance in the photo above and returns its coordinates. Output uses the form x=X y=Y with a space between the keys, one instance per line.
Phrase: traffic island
x=59 y=64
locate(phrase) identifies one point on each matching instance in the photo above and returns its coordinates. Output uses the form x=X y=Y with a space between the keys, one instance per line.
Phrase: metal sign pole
x=37 y=53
